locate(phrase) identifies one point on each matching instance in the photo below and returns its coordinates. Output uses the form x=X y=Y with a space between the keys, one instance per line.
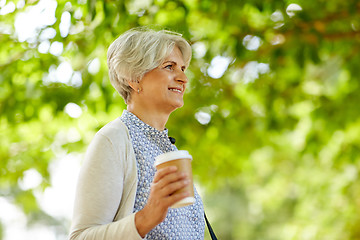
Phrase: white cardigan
x=106 y=188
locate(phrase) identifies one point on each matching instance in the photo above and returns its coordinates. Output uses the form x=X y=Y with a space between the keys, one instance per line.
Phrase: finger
x=169 y=184
x=171 y=200
x=170 y=178
x=171 y=188
x=164 y=171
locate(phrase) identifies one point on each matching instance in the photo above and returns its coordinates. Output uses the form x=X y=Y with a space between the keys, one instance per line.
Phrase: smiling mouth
x=175 y=90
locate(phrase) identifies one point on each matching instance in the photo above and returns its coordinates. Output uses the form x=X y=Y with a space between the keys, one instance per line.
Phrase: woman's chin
x=179 y=104
x=176 y=106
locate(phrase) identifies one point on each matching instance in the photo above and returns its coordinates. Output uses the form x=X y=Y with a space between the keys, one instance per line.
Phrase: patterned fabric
x=186 y=223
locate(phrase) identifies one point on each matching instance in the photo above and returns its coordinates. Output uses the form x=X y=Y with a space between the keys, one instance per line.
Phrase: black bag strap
x=212 y=234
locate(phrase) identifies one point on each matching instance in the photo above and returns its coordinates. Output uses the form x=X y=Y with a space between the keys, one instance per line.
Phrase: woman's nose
x=181 y=76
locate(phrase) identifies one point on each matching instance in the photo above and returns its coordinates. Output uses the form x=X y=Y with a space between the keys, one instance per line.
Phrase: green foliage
x=278 y=155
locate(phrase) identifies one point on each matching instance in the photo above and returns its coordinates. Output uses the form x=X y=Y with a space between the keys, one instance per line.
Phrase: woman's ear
x=134 y=85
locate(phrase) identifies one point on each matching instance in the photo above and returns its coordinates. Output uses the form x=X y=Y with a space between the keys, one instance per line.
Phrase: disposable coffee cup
x=182 y=160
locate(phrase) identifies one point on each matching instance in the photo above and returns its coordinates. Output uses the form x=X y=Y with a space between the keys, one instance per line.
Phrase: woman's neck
x=153 y=118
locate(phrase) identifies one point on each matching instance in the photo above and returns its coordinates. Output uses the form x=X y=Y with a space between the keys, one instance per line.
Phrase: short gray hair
x=138 y=51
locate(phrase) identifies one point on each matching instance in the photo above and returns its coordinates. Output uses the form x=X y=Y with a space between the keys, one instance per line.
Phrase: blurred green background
x=271 y=115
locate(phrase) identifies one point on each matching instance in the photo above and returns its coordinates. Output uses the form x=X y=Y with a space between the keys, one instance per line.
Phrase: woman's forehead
x=175 y=56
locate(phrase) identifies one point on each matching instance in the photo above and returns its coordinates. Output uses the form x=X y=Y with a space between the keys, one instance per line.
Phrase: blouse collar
x=143 y=127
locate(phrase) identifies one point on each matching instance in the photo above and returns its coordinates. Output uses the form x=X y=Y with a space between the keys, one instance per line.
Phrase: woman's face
x=164 y=86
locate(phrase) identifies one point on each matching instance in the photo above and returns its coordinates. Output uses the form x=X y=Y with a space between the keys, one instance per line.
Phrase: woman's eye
x=168 y=66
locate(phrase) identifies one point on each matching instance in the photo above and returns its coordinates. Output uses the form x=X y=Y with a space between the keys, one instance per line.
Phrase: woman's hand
x=166 y=182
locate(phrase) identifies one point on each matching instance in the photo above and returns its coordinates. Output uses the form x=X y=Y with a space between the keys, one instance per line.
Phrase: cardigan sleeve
x=99 y=194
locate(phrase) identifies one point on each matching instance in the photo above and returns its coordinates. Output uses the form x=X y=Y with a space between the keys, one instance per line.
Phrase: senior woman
x=120 y=195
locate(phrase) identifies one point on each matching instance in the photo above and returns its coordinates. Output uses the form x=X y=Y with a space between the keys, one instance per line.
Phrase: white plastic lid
x=165 y=157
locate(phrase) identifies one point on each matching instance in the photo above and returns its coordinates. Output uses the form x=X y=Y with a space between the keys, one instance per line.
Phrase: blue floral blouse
x=186 y=223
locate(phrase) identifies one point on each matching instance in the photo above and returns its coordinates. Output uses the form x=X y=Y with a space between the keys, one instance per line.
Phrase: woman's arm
x=99 y=193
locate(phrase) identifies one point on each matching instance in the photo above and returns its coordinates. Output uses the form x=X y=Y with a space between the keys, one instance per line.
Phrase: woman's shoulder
x=115 y=131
